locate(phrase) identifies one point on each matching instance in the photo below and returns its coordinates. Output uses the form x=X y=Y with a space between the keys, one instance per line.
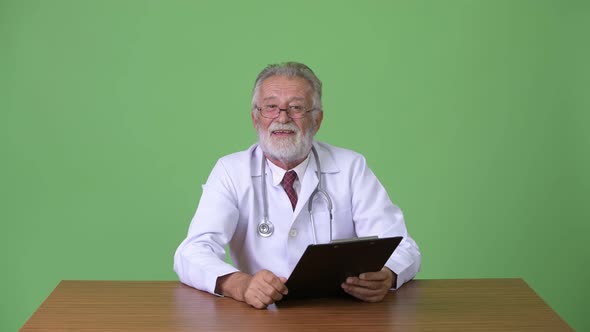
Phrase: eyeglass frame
x=288 y=110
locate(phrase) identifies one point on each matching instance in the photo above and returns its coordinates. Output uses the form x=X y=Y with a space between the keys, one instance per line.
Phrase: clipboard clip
x=352 y=239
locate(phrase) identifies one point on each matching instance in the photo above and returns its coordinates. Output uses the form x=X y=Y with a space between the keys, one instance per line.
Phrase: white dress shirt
x=278 y=173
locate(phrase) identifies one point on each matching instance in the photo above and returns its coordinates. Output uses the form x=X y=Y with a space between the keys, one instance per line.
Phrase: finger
x=284 y=281
x=254 y=301
x=280 y=287
x=258 y=298
x=380 y=275
x=271 y=292
x=267 y=292
x=257 y=304
x=362 y=289
x=276 y=296
x=364 y=294
x=370 y=284
x=259 y=294
x=263 y=280
x=276 y=283
x=265 y=299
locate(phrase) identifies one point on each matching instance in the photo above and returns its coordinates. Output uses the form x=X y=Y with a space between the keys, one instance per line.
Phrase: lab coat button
x=293 y=232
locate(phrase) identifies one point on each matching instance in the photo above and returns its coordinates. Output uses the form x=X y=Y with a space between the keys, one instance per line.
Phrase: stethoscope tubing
x=266 y=228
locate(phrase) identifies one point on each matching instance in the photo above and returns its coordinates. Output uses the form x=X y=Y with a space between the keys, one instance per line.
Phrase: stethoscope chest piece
x=265 y=228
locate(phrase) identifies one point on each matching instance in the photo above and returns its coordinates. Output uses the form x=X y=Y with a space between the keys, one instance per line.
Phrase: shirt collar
x=278 y=173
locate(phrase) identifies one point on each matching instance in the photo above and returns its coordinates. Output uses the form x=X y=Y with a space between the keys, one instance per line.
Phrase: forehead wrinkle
x=295 y=98
x=285 y=83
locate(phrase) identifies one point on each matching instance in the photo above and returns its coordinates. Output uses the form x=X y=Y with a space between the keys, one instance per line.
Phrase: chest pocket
x=342 y=223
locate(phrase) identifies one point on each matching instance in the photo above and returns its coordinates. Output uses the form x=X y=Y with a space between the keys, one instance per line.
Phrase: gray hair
x=290 y=69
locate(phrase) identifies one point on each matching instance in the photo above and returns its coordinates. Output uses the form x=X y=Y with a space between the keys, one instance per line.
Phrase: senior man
x=256 y=201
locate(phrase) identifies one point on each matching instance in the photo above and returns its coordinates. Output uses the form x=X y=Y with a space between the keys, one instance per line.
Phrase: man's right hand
x=259 y=290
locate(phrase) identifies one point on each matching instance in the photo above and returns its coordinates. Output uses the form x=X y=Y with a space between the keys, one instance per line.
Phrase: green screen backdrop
x=474 y=115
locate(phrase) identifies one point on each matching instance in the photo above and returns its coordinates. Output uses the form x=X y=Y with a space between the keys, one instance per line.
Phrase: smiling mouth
x=282 y=132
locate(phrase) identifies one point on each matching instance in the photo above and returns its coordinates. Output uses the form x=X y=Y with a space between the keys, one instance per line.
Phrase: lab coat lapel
x=311 y=177
x=308 y=185
x=256 y=160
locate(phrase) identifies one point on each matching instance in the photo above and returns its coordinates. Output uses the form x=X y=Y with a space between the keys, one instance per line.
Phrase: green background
x=474 y=115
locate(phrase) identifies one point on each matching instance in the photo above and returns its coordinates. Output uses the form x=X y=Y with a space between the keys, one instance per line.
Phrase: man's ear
x=318 y=121
x=253 y=115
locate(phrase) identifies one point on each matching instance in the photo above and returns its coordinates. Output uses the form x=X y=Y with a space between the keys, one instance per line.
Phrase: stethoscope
x=266 y=228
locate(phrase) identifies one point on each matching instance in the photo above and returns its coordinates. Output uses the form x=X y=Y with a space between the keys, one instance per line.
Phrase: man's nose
x=284 y=115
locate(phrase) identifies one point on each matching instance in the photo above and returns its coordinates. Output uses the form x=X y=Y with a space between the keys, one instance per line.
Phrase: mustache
x=283 y=126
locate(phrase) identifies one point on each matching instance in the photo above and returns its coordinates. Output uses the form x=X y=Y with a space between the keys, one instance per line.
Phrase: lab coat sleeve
x=200 y=258
x=375 y=214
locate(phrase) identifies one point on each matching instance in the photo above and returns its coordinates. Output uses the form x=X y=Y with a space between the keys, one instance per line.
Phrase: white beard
x=285 y=149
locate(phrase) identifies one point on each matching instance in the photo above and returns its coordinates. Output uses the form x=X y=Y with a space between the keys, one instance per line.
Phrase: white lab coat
x=231 y=208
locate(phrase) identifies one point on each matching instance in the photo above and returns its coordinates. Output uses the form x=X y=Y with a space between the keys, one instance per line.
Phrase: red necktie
x=288 y=181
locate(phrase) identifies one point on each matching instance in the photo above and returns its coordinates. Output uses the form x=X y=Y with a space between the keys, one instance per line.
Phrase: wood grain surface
x=421 y=305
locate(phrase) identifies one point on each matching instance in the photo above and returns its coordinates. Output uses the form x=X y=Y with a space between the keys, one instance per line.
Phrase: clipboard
x=323 y=267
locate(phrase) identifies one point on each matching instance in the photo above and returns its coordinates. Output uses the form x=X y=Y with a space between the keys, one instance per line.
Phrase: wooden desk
x=421 y=305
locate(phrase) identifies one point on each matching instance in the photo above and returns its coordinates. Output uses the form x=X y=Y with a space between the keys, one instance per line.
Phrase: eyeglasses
x=293 y=111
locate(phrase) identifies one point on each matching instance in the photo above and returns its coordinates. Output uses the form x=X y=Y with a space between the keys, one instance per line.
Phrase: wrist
x=233 y=285
x=393 y=277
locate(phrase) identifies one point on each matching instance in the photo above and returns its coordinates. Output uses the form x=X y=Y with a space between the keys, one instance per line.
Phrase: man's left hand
x=370 y=286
